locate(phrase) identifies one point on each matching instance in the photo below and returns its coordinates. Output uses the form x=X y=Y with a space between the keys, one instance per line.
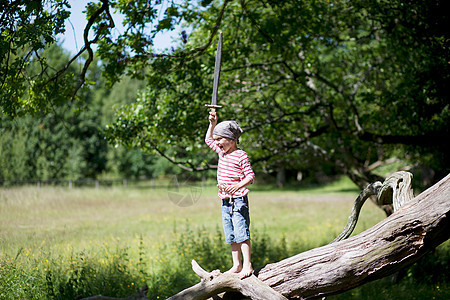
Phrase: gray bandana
x=228 y=129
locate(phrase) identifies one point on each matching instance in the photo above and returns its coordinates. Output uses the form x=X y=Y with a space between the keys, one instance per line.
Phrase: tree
x=333 y=81
x=350 y=84
x=28 y=27
x=65 y=143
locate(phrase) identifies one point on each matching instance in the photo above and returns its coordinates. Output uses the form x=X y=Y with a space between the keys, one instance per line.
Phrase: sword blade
x=217 y=71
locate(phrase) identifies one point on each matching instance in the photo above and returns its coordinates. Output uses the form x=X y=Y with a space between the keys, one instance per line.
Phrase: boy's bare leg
x=236 y=255
x=247 y=268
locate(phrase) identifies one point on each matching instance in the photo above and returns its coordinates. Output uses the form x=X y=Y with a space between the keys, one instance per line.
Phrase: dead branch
x=215 y=283
x=396 y=190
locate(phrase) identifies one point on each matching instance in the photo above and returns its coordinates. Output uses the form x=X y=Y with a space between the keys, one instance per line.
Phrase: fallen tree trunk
x=396 y=242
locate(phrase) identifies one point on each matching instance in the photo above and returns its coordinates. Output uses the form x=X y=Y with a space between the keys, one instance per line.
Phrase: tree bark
x=396 y=242
x=214 y=283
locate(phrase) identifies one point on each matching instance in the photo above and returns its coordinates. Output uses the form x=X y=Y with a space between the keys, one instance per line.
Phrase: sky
x=72 y=40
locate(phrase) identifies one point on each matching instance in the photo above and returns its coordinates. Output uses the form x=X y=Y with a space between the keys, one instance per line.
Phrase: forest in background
x=69 y=142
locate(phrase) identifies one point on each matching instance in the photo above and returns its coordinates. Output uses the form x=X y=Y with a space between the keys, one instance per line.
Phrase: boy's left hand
x=231 y=189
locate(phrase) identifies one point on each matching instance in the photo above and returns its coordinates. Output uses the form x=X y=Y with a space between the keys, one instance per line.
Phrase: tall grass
x=113 y=270
x=57 y=243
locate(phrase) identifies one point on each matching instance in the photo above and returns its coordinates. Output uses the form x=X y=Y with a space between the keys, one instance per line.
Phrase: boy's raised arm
x=212 y=123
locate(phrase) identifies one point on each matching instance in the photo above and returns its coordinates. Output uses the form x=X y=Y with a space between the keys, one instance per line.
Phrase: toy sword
x=213 y=104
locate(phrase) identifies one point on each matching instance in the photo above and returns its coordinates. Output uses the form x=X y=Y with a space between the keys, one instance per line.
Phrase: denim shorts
x=236 y=225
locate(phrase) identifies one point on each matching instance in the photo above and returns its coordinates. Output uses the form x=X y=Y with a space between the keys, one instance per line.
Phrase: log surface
x=394 y=243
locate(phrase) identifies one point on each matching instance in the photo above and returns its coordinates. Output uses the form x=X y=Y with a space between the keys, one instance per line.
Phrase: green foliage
x=145 y=124
x=21 y=281
x=68 y=142
x=348 y=84
x=27 y=28
x=65 y=143
x=119 y=272
x=343 y=83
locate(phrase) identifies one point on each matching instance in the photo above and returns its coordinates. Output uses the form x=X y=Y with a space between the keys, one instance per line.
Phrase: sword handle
x=213 y=107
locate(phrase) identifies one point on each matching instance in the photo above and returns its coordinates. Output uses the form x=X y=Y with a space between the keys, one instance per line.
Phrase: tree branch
x=253 y=21
x=214 y=283
x=434 y=139
x=197 y=51
x=185 y=165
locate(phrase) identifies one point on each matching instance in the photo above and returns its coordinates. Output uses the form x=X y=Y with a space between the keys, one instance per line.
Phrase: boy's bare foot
x=246 y=271
x=234 y=269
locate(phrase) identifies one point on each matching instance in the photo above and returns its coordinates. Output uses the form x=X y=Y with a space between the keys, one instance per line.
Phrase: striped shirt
x=232 y=169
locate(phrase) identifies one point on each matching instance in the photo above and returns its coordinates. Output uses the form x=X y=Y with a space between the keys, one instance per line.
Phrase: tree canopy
x=346 y=83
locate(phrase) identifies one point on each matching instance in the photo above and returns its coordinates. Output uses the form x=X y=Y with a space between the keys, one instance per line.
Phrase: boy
x=234 y=173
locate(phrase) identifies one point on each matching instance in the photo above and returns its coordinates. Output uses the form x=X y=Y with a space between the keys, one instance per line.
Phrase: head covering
x=228 y=129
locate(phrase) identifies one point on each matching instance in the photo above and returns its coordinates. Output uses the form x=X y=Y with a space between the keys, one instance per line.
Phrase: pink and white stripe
x=232 y=168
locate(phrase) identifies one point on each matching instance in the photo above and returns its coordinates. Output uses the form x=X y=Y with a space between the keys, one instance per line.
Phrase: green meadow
x=61 y=243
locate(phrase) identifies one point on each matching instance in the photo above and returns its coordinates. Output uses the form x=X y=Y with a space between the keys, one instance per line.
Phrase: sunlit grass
x=87 y=216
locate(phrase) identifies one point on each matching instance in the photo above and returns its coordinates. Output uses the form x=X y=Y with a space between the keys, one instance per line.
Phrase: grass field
x=62 y=243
